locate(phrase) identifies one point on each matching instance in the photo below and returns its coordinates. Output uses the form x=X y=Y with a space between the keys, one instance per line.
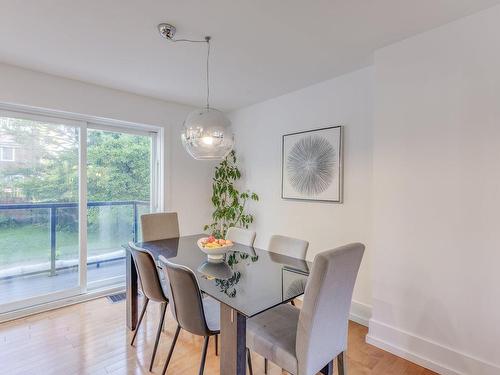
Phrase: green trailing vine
x=229 y=204
x=228 y=286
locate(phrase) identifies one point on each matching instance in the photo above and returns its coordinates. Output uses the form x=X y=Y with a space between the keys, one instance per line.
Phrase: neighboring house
x=15 y=155
x=7 y=153
x=26 y=148
x=12 y=157
x=8 y=148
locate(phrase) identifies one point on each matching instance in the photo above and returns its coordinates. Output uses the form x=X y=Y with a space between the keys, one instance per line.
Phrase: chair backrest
x=241 y=236
x=323 y=320
x=148 y=274
x=159 y=226
x=292 y=247
x=185 y=301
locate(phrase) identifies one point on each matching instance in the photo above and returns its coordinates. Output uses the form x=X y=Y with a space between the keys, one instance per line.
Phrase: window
x=71 y=201
x=7 y=153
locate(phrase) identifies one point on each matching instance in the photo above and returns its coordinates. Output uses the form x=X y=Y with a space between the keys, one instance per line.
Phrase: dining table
x=247 y=282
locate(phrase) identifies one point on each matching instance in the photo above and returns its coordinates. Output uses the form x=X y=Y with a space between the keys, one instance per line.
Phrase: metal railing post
x=53 y=223
x=135 y=222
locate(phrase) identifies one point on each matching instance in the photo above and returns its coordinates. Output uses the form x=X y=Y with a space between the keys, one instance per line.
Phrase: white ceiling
x=261 y=48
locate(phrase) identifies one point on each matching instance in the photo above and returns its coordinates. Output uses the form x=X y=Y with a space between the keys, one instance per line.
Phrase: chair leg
x=146 y=301
x=265 y=365
x=342 y=363
x=328 y=369
x=203 y=355
x=249 y=359
x=163 y=310
x=216 y=345
x=172 y=346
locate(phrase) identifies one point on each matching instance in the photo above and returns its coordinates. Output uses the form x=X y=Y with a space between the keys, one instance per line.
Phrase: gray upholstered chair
x=152 y=290
x=242 y=236
x=289 y=246
x=159 y=226
x=306 y=341
x=197 y=315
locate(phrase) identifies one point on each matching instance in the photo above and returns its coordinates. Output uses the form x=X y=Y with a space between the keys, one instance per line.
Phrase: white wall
x=187 y=182
x=342 y=101
x=436 y=292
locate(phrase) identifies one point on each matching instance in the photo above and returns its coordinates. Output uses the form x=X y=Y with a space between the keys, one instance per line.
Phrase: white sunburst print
x=310 y=166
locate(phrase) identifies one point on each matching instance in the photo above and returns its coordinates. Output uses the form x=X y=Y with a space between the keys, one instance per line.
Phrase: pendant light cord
x=208 y=70
x=207 y=40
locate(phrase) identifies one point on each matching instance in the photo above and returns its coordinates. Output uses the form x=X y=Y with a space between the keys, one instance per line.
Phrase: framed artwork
x=311 y=165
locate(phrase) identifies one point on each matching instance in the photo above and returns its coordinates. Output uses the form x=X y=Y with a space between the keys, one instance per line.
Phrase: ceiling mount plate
x=166 y=30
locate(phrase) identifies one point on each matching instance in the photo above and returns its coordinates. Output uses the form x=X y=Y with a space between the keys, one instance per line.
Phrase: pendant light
x=207 y=133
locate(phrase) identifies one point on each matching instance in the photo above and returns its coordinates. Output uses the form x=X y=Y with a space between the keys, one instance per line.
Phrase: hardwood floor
x=91 y=338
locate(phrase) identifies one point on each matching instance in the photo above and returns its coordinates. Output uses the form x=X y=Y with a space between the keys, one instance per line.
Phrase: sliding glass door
x=71 y=195
x=118 y=191
x=39 y=211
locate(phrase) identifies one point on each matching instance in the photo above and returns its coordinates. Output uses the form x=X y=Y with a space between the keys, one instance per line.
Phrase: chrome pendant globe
x=207 y=134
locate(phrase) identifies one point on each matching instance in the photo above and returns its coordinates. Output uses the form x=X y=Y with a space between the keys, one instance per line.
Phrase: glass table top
x=250 y=280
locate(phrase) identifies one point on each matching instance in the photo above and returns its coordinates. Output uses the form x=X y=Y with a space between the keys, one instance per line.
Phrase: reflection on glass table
x=294 y=282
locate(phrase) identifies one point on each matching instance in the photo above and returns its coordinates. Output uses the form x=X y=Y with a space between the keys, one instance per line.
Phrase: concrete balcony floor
x=22 y=287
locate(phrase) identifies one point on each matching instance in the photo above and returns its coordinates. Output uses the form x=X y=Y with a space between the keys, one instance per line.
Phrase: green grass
x=30 y=244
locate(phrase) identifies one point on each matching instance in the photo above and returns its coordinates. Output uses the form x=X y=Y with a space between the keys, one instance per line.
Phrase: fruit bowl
x=214 y=248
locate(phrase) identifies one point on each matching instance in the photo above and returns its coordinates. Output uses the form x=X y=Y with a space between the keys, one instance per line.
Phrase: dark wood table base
x=132 y=289
x=233 y=341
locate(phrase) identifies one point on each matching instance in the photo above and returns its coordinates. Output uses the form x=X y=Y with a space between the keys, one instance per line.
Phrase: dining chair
x=306 y=341
x=289 y=246
x=152 y=290
x=159 y=226
x=197 y=315
x=242 y=236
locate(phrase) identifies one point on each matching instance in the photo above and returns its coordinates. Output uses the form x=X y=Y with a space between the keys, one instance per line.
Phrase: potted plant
x=229 y=204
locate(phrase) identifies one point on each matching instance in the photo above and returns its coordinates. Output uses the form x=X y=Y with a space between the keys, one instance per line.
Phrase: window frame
x=2 y=157
x=44 y=302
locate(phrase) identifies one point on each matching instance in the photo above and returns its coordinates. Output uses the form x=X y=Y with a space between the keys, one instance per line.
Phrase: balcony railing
x=54 y=207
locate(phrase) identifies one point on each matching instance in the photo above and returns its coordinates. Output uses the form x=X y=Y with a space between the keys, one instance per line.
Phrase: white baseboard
x=360 y=313
x=427 y=353
x=98 y=293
